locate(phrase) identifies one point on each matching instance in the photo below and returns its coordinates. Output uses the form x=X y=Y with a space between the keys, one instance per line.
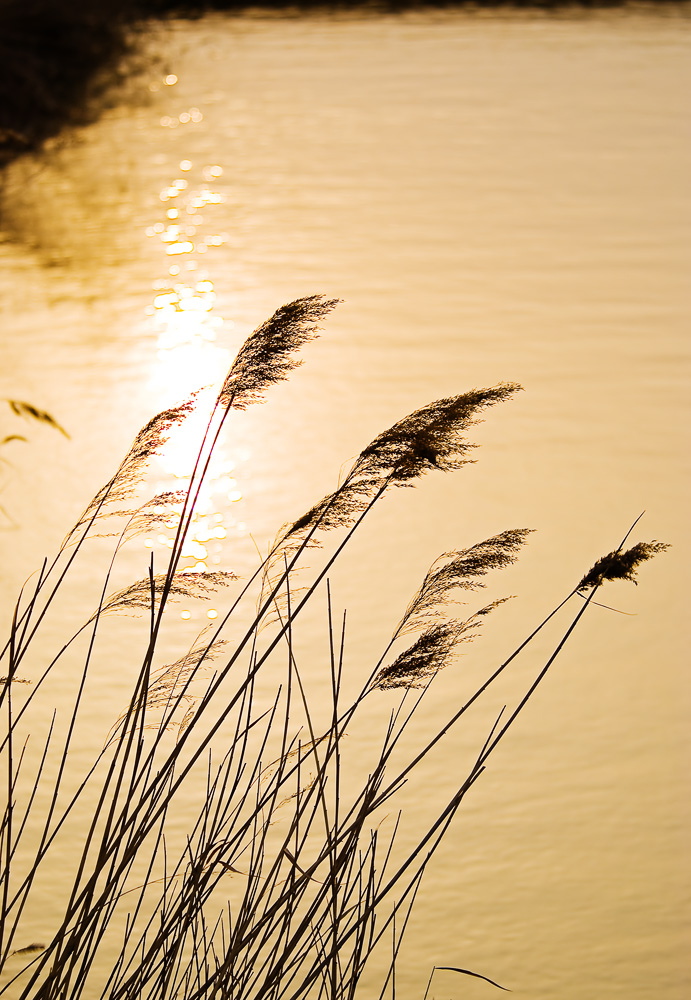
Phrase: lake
x=494 y=197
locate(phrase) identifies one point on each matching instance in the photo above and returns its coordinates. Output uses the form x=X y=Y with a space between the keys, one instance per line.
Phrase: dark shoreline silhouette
x=58 y=60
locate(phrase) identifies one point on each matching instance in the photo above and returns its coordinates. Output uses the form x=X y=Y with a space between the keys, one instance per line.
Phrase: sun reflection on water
x=189 y=356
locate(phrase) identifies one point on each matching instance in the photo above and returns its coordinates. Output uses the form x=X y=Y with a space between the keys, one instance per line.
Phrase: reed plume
x=430 y=438
x=30 y=412
x=170 y=685
x=169 y=681
x=266 y=356
x=148 y=442
x=138 y=596
x=621 y=564
x=460 y=570
x=457 y=570
x=429 y=653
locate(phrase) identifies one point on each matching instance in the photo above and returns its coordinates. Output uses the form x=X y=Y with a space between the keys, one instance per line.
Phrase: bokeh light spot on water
x=194 y=549
x=186 y=615
x=185 y=164
x=193 y=116
x=178 y=248
x=211 y=614
x=212 y=171
x=170 y=80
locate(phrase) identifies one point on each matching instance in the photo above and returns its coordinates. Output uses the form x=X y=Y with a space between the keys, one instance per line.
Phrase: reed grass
x=285 y=883
x=27 y=412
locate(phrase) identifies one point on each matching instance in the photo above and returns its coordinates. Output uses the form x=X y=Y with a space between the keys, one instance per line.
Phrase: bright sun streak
x=189 y=359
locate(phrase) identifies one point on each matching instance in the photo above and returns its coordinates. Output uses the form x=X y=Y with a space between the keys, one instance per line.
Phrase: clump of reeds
x=284 y=885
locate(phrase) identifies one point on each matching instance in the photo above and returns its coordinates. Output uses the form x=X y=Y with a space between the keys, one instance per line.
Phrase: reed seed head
x=167 y=682
x=155 y=433
x=429 y=438
x=431 y=651
x=30 y=412
x=420 y=662
x=137 y=597
x=621 y=564
x=266 y=356
x=148 y=442
x=460 y=569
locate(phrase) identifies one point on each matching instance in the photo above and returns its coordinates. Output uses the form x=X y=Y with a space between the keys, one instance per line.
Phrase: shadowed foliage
x=59 y=60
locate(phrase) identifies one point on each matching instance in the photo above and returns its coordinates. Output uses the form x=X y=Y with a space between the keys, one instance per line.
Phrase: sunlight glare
x=183 y=316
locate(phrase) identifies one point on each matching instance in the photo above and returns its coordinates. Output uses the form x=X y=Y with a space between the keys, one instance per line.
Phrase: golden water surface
x=498 y=198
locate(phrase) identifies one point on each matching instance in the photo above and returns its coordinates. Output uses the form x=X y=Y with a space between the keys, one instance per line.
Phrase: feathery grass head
x=336 y=510
x=415 y=666
x=621 y=564
x=148 y=442
x=431 y=651
x=461 y=571
x=170 y=684
x=154 y=433
x=168 y=681
x=137 y=597
x=159 y=511
x=265 y=357
x=430 y=438
x=30 y=412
